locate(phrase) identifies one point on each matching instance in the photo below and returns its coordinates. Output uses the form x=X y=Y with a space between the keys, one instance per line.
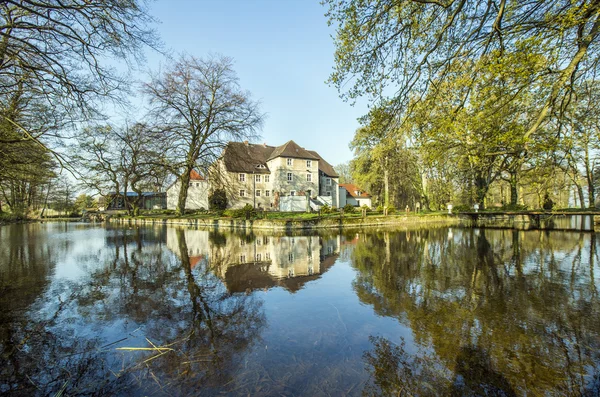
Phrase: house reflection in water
x=251 y=261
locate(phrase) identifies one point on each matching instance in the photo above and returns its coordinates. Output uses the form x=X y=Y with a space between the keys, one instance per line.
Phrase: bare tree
x=116 y=159
x=56 y=51
x=199 y=106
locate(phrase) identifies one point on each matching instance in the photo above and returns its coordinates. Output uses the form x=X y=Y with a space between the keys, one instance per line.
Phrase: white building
x=197 y=197
x=353 y=195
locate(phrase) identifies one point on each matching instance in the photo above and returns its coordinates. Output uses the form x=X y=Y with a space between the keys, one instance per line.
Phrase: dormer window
x=261 y=166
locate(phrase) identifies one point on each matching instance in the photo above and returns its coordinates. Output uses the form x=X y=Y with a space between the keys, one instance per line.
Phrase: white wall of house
x=197 y=195
x=304 y=176
x=364 y=201
x=293 y=203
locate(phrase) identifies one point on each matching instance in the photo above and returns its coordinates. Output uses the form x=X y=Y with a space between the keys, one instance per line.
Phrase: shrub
x=326 y=209
x=514 y=207
x=349 y=209
x=379 y=208
x=247 y=212
x=548 y=203
x=217 y=200
x=391 y=209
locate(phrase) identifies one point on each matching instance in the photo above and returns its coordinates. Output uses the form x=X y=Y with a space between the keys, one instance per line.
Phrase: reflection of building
x=258 y=261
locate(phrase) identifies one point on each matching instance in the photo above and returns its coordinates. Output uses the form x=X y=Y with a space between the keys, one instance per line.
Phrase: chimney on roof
x=246 y=143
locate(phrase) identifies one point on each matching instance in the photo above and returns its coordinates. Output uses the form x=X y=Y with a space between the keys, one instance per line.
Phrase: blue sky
x=283 y=54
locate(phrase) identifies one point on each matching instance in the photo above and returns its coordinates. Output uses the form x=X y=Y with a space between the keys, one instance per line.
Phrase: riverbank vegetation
x=487 y=102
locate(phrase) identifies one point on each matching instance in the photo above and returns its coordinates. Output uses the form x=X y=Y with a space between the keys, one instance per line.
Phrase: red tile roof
x=195 y=176
x=351 y=189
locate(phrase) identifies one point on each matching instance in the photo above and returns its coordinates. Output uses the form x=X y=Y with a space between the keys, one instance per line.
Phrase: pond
x=106 y=310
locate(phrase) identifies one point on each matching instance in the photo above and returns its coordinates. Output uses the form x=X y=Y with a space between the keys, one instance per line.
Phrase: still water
x=87 y=309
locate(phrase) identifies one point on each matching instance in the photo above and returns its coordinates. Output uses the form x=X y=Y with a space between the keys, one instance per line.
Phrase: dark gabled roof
x=291 y=149
x=351 y=188
x=324 y=166
x=246 y=157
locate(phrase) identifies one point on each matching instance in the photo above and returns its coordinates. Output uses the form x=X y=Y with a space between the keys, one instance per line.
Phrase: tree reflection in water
x=483 y=312
x=499 y=312
x=140 y=297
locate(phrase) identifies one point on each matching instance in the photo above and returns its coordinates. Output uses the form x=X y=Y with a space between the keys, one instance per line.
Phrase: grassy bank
x=287 y=221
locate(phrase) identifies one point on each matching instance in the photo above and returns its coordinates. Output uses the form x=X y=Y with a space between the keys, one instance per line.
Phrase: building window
x=309 y=177
x=290 y=162
x=267 y=178
x=289 y=176
x=256 y=178
x=292 y=193
x=242 y=258
x=258 y=257
x=268 y=256
x=242 y=193
x=267 y=193
x=258 y=193
x=308 y=163
x=291 y=257
x=328 y=181
x=242 y=177
x=328 y=193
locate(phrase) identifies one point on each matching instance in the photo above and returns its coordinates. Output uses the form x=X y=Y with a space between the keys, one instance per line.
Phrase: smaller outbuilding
x=148 y=201
x=353 y=195
x=197 y=197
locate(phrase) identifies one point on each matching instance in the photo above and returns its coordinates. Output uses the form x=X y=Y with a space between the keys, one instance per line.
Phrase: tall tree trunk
x=581 y=196
x=514 y=188
x=481 y=188
x=589 y=176
x=45 y=200
x=425 y=191
x=386 y=184
x=184 y=180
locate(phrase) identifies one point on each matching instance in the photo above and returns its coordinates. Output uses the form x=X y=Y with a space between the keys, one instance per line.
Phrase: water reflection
x=249 y=261
x=175 y=325
x=505 y=312
x=157 y=310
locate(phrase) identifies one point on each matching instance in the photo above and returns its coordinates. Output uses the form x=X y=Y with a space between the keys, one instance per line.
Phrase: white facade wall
x=364 y=201
x=299 y=185
x=197 y=195
x=251 y=185
x=293 y=203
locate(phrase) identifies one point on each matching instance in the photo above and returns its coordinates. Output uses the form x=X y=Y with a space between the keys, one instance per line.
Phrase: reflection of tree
x=502 y=305
x=26 y=261
x=140 y=296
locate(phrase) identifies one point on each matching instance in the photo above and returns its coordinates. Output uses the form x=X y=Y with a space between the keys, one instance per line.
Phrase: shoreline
x=291 y=224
